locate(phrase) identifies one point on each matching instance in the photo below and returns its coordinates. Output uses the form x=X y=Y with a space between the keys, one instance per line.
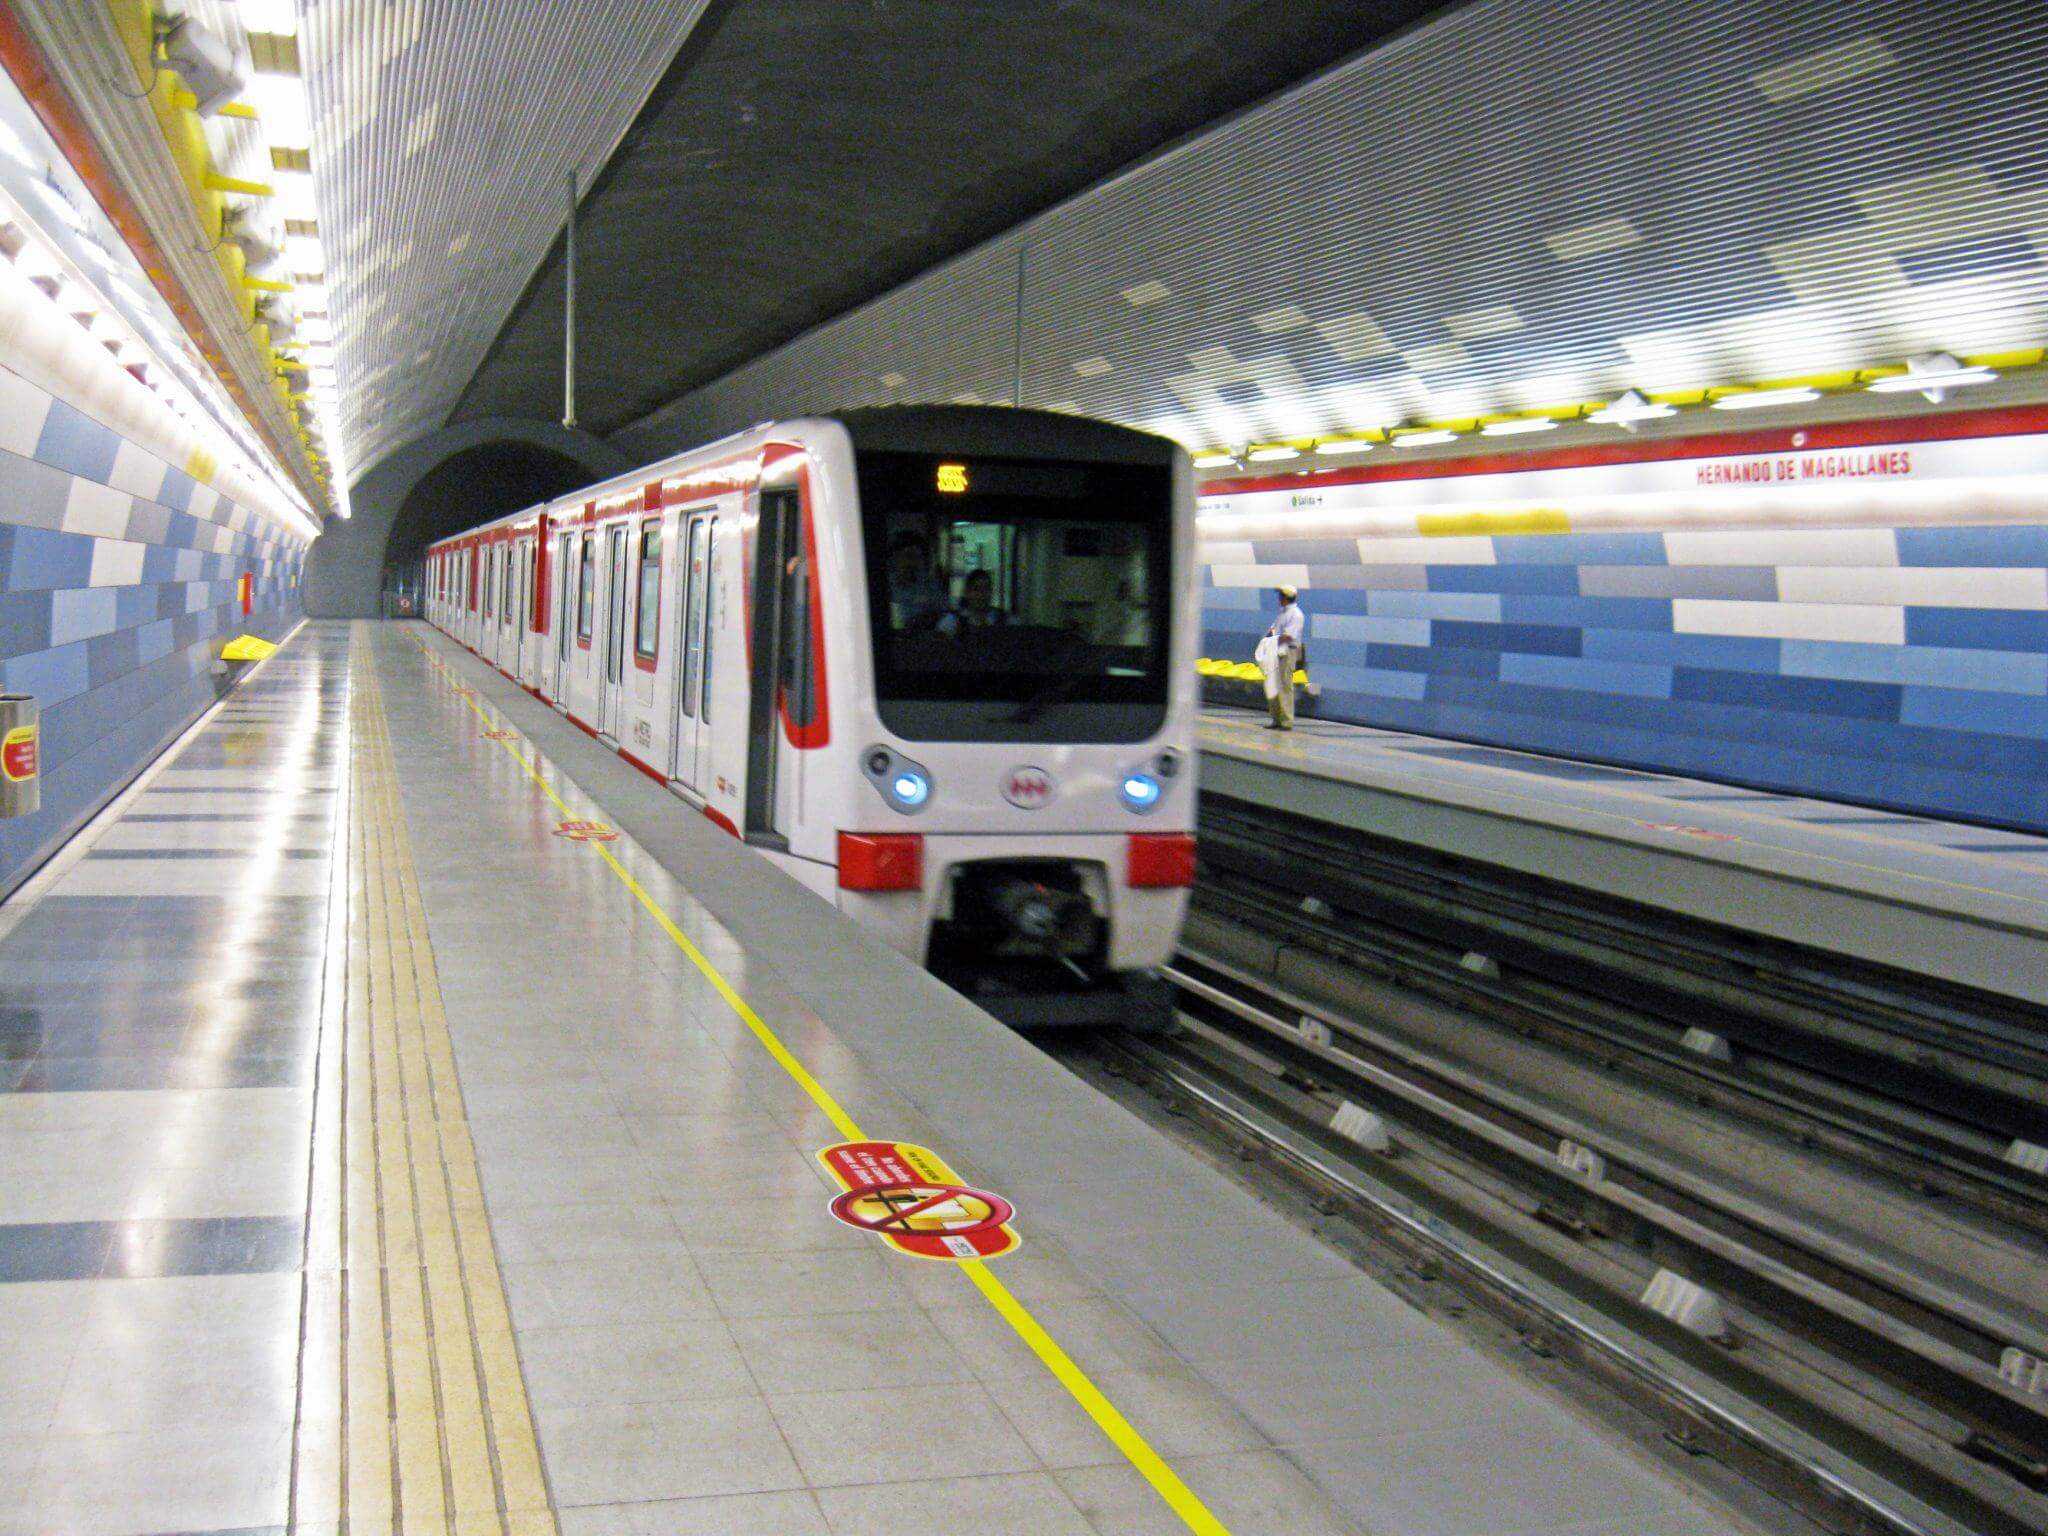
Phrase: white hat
x=1286 y=592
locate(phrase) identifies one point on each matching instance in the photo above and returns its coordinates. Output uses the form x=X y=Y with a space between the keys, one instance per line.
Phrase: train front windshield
x=1018 y=600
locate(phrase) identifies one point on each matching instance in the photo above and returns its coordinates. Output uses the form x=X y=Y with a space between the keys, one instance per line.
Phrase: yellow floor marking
x=1771 y=823
x=1148 y=1463
x=431 y=1428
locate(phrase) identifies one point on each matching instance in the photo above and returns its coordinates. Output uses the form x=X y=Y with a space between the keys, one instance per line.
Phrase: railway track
x=1818 y=1267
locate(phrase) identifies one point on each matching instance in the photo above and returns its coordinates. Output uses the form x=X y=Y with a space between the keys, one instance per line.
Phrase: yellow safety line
x=1148 y=1463
x=1270 y=748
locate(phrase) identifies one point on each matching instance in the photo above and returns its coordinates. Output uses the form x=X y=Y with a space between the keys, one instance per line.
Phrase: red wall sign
x=19 y=757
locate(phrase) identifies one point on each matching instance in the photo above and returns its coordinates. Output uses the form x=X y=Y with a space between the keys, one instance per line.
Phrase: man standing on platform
x=1286 y=634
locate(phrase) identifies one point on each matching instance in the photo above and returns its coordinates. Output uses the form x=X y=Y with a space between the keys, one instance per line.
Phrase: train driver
x=977 y=608
x=917 y=598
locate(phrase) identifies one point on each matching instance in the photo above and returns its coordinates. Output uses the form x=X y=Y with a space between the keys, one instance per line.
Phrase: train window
x=793 y=645
x=563 y=581
x=510 y=608
x=1033 y=605
x=695 y=595
x=586 y=582
x=490 y=580
x=647 y=621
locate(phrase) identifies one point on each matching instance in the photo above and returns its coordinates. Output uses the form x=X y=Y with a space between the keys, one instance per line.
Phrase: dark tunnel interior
x=472 y=487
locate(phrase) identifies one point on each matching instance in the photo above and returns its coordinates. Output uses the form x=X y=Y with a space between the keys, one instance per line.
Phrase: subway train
x=935 y=663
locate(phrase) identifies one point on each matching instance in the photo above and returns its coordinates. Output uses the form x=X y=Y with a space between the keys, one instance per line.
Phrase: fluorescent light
x=1757 y=399
x=1424 y=439
x=282 y=106
x=1214 y=460
x=1343 y=445
x=1273 y=455
x=1518 y=427
x=60 y=205
x=1629 y=409
x=12 y=146
x=279 y=17
x=1949 y=378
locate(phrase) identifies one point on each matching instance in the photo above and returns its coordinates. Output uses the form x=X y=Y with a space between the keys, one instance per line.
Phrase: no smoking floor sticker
x=909 y=1198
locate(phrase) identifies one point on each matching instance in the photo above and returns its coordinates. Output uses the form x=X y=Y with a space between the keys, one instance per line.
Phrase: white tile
x=137 y=471
x=1915 y=586
x=23 y=409
x=116 y=563
x=1459 y=549
x=1259 y=575
x=1783 y=546
x=1225 y=552
x=97 y=509
x=1790 y=621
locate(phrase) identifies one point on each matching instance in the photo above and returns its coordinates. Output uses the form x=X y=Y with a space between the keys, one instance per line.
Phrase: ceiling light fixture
x=1518 y=427
x=1932 y=374
x=1427 y=439
x=1277 y=454
x=1628 y=409
x=1214 y=460
x=1343 y=445
x=1758 y=399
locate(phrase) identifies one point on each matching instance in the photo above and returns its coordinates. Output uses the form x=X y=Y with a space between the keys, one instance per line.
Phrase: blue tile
x=1432 y=658
x=1932 y=666
x=49 y=675
x=44 y=558
x=1581 y=549
x=1477 y=607
x=24 y=622
x=177 y=490
x=1219 y=599
x=73 y=441
x=1963 y=710
x=1648 y=682
x=1538 y=639
x=1541 y=580
x=1966 y=547
x=1986 y=629
x=81 y=613
x=1806 y=695
x=1727 y=653
x=1589 y=612
x=1369 y=680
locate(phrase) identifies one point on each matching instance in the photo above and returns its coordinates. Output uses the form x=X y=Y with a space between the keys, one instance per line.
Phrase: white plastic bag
x=1268 y=658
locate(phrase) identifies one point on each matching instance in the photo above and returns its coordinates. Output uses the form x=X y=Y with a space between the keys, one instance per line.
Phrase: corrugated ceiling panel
x=444 y=136
x=1528 y=203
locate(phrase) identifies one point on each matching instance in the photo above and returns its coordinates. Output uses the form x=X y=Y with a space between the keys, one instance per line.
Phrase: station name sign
x=1789 y=468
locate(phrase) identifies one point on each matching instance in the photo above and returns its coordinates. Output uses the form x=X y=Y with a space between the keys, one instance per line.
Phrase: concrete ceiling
x=801 y=156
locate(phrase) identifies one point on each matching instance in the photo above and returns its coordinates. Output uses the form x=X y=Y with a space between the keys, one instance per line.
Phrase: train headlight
x=1140 y=792
x=906 y=785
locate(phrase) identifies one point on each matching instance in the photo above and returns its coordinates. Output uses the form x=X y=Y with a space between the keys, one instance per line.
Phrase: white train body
x=999 y=782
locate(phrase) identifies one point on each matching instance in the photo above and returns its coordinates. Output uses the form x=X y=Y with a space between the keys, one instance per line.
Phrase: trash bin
x=21 y=783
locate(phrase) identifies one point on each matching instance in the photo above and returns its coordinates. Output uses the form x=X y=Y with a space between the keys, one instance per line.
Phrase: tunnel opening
x=469 y=487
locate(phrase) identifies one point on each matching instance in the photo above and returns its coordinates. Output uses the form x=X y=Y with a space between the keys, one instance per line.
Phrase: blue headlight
x=910 y=788
x=1140 y=791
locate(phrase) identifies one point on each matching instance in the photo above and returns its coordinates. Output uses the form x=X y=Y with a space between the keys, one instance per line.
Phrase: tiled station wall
x=1905 y=667
x=118 y=585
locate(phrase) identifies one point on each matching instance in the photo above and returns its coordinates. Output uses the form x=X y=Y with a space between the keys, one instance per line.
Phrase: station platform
x=410 y=1120
x=1967 y=904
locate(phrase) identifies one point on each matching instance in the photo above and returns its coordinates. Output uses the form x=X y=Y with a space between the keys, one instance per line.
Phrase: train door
x=782 y=686
x=611 y=688
x=691 y=736
x=528 y=667
x=565 y=617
